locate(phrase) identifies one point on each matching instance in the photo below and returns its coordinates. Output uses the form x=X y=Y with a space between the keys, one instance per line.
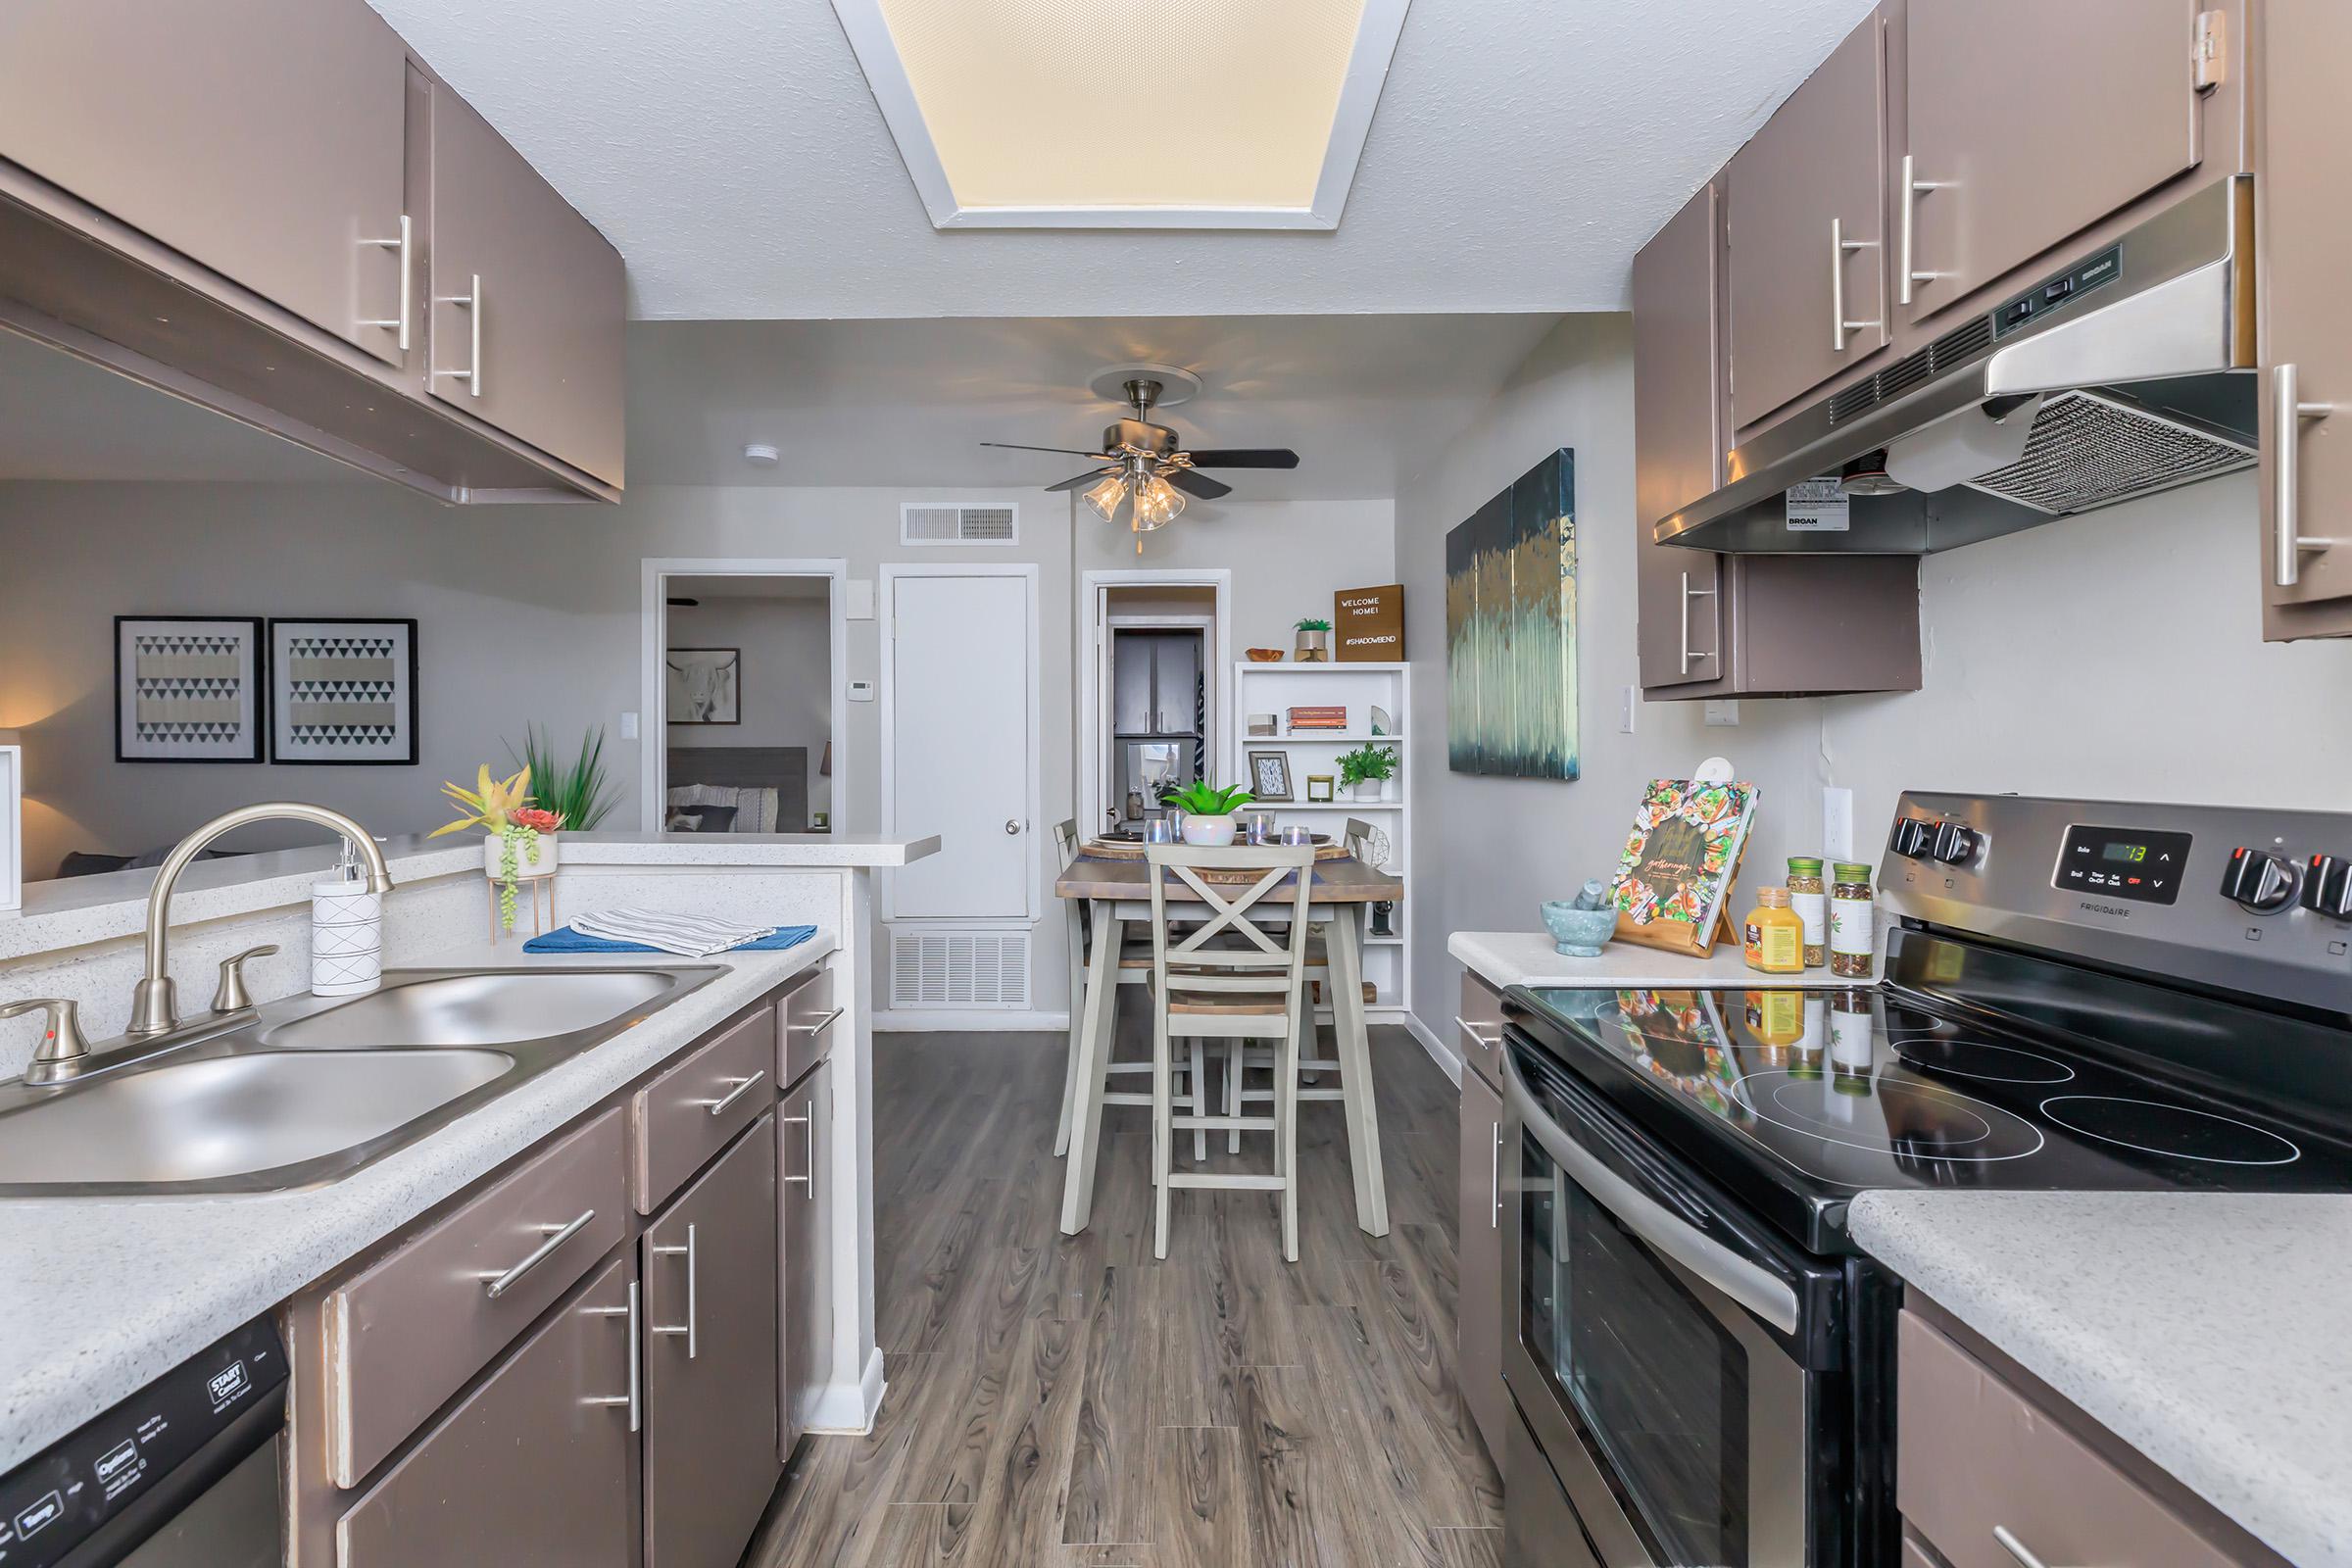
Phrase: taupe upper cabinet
x=1804 y=232
x=528 y=302
x=259 y=138
x=710 y=1269
x=1679 y=437
x=2029 y=122
x=2306 y=329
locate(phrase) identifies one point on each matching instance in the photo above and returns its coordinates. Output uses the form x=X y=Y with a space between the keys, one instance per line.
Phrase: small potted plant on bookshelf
x=1366 y=770
x=1209 y=812
x=517 y=835
x=1314 y=641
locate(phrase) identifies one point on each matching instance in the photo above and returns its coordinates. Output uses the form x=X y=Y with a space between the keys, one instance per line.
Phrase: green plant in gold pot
x=1314 y=641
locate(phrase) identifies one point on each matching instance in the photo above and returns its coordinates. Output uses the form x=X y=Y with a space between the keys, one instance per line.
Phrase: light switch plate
x=628 y=727
x=1723 y=711
x=861 y=599
x=1625 y=716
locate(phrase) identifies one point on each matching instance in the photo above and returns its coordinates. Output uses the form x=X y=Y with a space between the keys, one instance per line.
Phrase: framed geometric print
x=190 y=689
x=343 y=692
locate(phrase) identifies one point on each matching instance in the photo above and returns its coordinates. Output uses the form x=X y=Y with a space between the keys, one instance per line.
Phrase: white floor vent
x=963 y=522
x=958 y=968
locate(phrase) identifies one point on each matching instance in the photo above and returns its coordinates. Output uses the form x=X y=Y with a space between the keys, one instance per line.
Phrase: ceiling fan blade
x=1247 y=458
x=1090 y=476
x=1016 y=446
x=1196 y=484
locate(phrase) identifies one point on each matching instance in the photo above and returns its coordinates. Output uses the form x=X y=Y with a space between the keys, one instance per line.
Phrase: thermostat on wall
x=861 y=691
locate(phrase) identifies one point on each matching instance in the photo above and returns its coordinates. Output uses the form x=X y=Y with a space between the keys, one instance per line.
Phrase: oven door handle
x=1755 y=1289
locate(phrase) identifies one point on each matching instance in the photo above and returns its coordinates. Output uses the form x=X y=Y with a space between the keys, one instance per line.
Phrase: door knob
x=1013 y=824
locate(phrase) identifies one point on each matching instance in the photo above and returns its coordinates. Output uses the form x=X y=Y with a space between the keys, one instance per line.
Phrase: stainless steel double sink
x=310 y=1090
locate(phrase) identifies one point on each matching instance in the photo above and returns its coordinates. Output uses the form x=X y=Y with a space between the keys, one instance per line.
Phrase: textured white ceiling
x=1360 y=399
x=1522 y=151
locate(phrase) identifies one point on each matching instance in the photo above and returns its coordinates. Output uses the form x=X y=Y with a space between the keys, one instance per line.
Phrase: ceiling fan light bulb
x=1106 y=497
x=1157 y=503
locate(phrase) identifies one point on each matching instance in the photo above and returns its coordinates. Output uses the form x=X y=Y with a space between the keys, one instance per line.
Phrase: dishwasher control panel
x=121 y=1470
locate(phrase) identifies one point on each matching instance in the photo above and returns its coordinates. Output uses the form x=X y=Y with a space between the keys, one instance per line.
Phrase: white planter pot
x=1366 y=790
x=494 y=850
x=1209 y=832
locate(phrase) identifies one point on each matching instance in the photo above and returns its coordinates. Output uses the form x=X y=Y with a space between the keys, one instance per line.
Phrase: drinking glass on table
x=1295 y=835
x=1160 y=830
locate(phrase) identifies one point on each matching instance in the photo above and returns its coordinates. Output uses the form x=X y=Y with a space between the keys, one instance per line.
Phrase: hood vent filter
x=2090 y=451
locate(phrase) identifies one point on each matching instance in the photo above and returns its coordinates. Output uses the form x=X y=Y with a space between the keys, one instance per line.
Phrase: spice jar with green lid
x=1811 y=902
x=1852 y=917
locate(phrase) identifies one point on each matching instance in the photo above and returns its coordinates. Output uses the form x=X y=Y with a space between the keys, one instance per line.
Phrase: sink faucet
x=153 y=1008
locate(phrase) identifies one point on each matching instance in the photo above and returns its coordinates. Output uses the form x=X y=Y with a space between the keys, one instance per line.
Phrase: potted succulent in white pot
x=1209 y=821
x=518 y=840
x=1366 y=771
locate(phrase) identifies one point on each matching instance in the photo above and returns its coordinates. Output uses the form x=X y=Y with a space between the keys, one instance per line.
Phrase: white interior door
x=961 y=743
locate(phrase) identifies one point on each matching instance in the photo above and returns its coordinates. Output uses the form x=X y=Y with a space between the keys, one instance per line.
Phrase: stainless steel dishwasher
x=183 y=1474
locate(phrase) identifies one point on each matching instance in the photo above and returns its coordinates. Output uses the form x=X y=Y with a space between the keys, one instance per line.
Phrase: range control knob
x=2258 y=879
x=1913 y=837
x=1955 y=845
x=2327 y=885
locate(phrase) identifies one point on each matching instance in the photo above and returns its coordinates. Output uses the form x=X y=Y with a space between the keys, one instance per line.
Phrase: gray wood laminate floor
x=1067 y=1401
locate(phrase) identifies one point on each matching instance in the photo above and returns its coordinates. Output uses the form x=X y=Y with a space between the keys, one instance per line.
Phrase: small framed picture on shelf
x=1270 y=776
x=1321 y=788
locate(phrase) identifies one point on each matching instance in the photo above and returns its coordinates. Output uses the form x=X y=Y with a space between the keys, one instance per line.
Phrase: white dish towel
x=690 y=935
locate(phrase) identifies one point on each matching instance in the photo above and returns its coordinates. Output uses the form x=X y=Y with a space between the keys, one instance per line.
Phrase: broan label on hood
x=1818 y=505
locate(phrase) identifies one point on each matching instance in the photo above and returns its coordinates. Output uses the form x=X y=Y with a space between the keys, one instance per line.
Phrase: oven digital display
x=2139 y=865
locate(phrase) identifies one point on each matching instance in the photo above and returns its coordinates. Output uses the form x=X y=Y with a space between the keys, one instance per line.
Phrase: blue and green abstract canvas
x=1511 y=629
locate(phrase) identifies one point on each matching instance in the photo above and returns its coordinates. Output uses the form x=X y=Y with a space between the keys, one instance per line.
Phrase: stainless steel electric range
x=2078 y=995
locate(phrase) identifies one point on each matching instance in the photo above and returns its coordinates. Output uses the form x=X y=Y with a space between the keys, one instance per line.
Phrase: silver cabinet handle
x=635 y=1398
x=823 y=1022
x=1840 y=248
x=2025 y=1554
x=399 y=247
x=688 y=1326
x=1495 y=1183
x=2287 y=414
x=808 y=1125
x=1909 y=273
x=1690 y=593
x=1471 y=1029
x=741 y=1087
x=230 y=995
x=556 y=1236
x=471 y=375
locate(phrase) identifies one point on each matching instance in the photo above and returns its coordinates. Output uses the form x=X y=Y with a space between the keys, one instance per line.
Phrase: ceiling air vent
x=962 y=522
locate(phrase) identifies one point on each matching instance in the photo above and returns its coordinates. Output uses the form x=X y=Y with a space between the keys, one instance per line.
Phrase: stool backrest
x=1250 y=943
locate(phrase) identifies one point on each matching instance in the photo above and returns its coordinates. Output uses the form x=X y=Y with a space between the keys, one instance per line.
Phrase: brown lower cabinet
x=536 y=1465
x=1479 y=1319
x=708 y=1265
x=803 y=1157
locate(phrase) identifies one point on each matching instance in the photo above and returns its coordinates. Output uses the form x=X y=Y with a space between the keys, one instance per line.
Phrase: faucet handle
x=231 y=996
x=63 y=1041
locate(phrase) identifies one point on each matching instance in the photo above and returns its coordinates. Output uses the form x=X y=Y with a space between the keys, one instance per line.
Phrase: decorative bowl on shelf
x=1577 y=933
x=1264 y=655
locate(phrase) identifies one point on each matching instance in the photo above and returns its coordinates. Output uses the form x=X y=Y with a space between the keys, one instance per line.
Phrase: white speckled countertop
x=101 y=1295
x=1532 y=958
x=2211 y=1331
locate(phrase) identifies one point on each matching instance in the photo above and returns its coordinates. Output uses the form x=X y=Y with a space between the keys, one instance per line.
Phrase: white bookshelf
x=1277 y=689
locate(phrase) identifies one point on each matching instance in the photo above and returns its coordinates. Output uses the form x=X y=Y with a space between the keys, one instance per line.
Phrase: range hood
x=2126 y=372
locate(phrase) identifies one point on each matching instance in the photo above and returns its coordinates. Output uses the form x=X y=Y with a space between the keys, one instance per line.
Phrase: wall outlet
x=1625 y=716
x=861 y=691
x=628 y=727
x=1838 y=825
x=1723 y=711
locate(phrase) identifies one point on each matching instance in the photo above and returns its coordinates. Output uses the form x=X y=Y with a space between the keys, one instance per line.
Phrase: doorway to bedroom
x=744 y=686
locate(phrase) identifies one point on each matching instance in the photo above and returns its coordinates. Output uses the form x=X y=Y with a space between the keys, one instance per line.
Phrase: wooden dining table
x=1119 y=891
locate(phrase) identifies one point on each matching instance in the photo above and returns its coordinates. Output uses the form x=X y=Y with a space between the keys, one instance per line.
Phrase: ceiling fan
x=1143 y=469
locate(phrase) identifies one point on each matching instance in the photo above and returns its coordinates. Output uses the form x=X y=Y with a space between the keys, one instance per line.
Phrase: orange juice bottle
x=1774 y=941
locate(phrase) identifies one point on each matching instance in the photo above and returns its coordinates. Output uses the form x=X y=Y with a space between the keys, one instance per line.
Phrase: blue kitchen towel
x=564 y=939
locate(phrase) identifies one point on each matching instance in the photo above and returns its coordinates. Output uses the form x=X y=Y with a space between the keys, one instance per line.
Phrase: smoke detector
x=761 y=455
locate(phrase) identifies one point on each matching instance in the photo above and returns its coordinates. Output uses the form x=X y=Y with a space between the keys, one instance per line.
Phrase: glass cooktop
x=1798 y=1099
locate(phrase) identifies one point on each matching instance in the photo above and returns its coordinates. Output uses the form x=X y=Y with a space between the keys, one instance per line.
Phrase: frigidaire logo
x=2107 y=909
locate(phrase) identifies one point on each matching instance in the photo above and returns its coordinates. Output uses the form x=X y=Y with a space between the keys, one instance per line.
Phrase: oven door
x=1676 y=1360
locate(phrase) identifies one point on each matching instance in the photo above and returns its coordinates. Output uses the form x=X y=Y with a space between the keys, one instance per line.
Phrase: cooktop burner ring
x=2008 y=1064
x=1998 y=1125
x=2252 y=1137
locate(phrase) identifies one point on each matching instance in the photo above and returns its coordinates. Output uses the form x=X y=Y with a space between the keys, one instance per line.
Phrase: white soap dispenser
x=347 y=933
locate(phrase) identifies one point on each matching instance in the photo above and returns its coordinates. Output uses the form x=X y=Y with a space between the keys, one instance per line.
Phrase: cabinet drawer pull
x=557 y=1235
x=471 y=375
x=2287 y=414
x=1495 y=1183
x=1485 y=1041
x=807 y=1126
x=635 y=1398
x=2025 y=1554
x=823 y=1022
x=741 y=1087
x=686 y=1328
x=400 y=250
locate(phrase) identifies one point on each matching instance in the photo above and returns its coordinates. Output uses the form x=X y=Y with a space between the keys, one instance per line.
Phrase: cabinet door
x=1176 y=683
x=259 y=138
x=2032 y=120
x=1677 y=439
x=2306 y=330
x=1806 y=213
x=538 y=1465
x=710 y=1352
x=1481 y=1264
x=804 y=1152
x=527 y=299
x=1131 y=683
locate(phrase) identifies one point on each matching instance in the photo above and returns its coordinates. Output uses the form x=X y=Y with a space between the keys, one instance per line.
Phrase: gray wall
x=786 y=693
